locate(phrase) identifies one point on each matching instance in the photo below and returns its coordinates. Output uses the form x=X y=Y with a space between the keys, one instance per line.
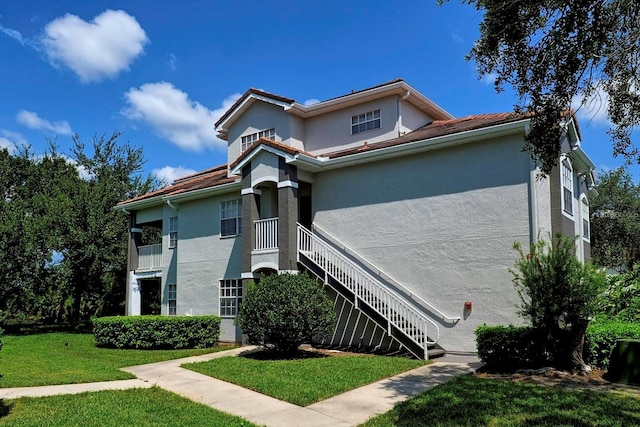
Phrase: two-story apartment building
x=408 y=214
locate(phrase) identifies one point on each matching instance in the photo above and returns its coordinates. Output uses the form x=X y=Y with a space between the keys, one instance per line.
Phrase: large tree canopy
x=555 y=51
x=615 y=221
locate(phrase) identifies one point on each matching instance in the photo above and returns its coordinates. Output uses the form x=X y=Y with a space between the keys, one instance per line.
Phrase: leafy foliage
x=64 y=247
x=157 y=332
x=553 y=51
x=621 y=299
x=510 y=347
x=615 y=220
x=284 y=311
x=602 y=335
x=558 y=294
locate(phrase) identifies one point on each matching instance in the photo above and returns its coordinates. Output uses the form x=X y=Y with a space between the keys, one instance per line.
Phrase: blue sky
x=162 y=72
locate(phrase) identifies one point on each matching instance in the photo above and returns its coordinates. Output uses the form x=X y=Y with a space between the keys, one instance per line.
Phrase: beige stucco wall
x=412 y=118
x=201 y=260
x=332 y=131
x=442 y=224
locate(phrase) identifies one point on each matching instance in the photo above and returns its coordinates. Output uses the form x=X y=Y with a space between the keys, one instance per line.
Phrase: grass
x=306 y=380
x=137 y=407
x=473 y=401
x=44 y=359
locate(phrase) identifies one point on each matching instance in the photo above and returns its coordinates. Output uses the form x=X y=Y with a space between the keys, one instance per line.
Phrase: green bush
x=156 y=332
x=284 y=311
x=510 y=347
x=621 y=299
x=602 y=335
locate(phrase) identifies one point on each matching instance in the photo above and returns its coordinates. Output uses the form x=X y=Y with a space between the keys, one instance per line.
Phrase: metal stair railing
x=368 y=290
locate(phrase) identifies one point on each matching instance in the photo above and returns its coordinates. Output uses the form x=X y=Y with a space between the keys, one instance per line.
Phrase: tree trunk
x=572 y=346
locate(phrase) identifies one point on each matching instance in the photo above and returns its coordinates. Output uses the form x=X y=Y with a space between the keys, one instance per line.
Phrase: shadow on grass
x=275 y=355
x=472 y=401
x=4 y=409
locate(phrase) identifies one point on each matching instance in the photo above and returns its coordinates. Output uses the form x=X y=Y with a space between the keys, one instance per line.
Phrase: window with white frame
x=247 y=140
x=585 y=218
x=567 y=188
x=365 y=121
x=230 y=296
x=172 y=298
x=173 y=232
x=231 y=218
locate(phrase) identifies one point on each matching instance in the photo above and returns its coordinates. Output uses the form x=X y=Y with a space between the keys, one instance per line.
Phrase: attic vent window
x=247 y=140
x=365 y=121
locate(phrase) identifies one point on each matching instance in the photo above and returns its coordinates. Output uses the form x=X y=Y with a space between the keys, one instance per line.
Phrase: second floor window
x=247 y=140
x=365 y=121
x=172 y=299
x=173 y=232
x=567 y=188
x=231 y=218
x=585 y=219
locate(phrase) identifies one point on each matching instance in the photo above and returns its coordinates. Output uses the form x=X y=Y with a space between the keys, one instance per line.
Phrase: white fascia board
x=141 y=204
x=400 y=88
x=205 y=192
x=246 y=103
x=237 y=170
x=419 y=146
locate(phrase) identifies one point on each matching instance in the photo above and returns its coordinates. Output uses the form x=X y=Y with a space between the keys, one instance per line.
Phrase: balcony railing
x=150 y=257
x=266 y=234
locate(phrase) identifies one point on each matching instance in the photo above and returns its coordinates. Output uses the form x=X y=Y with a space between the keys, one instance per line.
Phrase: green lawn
x=306 y=380
x=472 y=401
x=45 y=359
x=138 y=407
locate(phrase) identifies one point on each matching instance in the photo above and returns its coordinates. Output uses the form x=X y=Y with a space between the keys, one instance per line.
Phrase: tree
x=615 y=221
x=95 y=250
x=552 y=52
x=558 y=294
x=284 y=311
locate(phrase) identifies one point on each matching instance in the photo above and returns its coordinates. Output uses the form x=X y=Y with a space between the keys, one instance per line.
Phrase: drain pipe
x=171 y=205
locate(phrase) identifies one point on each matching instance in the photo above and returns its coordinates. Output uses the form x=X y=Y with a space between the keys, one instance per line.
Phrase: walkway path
x=347 y=409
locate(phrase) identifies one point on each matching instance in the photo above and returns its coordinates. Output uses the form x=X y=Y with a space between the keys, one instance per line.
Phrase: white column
x=135 y=296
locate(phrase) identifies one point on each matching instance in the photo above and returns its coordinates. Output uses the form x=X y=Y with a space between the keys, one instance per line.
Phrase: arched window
x=567 y=187
x=584 y=213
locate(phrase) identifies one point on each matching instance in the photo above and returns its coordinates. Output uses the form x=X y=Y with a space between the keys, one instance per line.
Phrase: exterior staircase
x=382 y=307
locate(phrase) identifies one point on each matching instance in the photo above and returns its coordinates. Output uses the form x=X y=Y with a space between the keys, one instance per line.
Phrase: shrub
x=602 y=335
x=284 y=311
x=156 y=332
x=621 y=299
x=558 y=294
x=507 y=348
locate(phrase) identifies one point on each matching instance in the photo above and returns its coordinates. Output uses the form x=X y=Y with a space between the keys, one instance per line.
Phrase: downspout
x=125 y=210
x=399 y=111
x=171 y=205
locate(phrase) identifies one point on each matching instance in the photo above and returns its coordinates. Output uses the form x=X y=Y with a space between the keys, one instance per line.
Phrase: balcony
x=149 y=257
x=266 y=234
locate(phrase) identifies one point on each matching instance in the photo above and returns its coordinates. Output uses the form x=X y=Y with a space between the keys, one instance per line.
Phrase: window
x=247 y=140
x=231 y=218
x=173 y=232
x=567 y=188
x=365 y=121
x=172 y=291
x=230 y=296
x=585 y=219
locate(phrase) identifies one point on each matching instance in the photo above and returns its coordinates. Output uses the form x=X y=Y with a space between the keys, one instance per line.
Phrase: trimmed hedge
x=602 y=335
x=510 y=347
x=156 y=332
x=507 y=348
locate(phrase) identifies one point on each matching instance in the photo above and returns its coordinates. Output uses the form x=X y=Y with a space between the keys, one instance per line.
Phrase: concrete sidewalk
x=347 y=409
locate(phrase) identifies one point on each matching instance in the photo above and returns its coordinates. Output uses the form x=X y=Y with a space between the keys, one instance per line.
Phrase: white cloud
x=174 y=116
x=489 y=78
x=170 y=174
x=11 y=140
x=94 y=50
x=593 y=109
x=33 y=121
x=172 y=62
x=311 y=101
x=14 y=34
x=83 y=172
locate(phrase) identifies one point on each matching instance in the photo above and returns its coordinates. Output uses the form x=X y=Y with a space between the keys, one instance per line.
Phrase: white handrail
x=412 y=296
x=266 y=234
x=393 y=307
x=149 y=257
